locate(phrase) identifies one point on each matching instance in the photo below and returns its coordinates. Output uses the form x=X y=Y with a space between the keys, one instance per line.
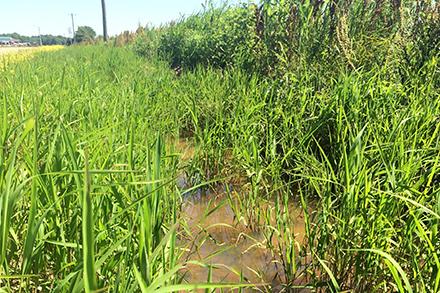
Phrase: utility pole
x=39 y=35
x=73 y=27
x=104 y=20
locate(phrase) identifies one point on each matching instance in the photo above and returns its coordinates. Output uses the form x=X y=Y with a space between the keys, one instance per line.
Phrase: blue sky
x=52 y=16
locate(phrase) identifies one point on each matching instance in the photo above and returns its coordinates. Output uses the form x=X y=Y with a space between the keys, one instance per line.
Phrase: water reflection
x=234 y=252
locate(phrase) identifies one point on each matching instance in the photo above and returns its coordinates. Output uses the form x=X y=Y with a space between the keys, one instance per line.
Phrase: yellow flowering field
x=10 y=55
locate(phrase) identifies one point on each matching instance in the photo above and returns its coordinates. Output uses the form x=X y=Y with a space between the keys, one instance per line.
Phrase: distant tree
x=46 y=39
x=85 y=33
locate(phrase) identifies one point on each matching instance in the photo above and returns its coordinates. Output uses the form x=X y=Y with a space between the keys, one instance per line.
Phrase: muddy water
x=234 y=252
x=230 y=251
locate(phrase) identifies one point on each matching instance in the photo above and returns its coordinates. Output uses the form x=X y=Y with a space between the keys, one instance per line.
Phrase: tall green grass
x=272 y=37
x=89 y=196
x=334 y=103
x=88 y=176
x=86 y=201
x=360 y=155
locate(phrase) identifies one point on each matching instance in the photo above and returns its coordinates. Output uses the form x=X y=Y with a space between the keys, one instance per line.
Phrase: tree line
x=45 y=39
x=82 y=34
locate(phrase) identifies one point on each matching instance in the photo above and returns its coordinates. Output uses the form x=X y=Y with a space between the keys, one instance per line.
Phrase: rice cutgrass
x=88 y=171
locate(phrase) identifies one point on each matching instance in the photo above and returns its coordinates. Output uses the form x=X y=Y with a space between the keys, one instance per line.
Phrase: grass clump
x=329 y=106
x=84 y=204
x=338 y=107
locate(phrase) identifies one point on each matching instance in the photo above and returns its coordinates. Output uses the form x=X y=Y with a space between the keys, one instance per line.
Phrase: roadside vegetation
x=326 y=110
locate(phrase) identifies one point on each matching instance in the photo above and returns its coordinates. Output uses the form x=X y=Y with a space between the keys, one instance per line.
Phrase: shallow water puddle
x=233 y=252
x=229 y=250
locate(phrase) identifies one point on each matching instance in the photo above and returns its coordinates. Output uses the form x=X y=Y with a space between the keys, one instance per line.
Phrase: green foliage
x=277 y=36
x=362 y=150
x=359 y=141
x=85 y=34
x=45 y=39
x=215 y=37
x=77 y=213
x=331 y=105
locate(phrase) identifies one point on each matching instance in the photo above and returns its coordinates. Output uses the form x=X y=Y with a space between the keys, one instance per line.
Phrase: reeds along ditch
x=94 y=140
